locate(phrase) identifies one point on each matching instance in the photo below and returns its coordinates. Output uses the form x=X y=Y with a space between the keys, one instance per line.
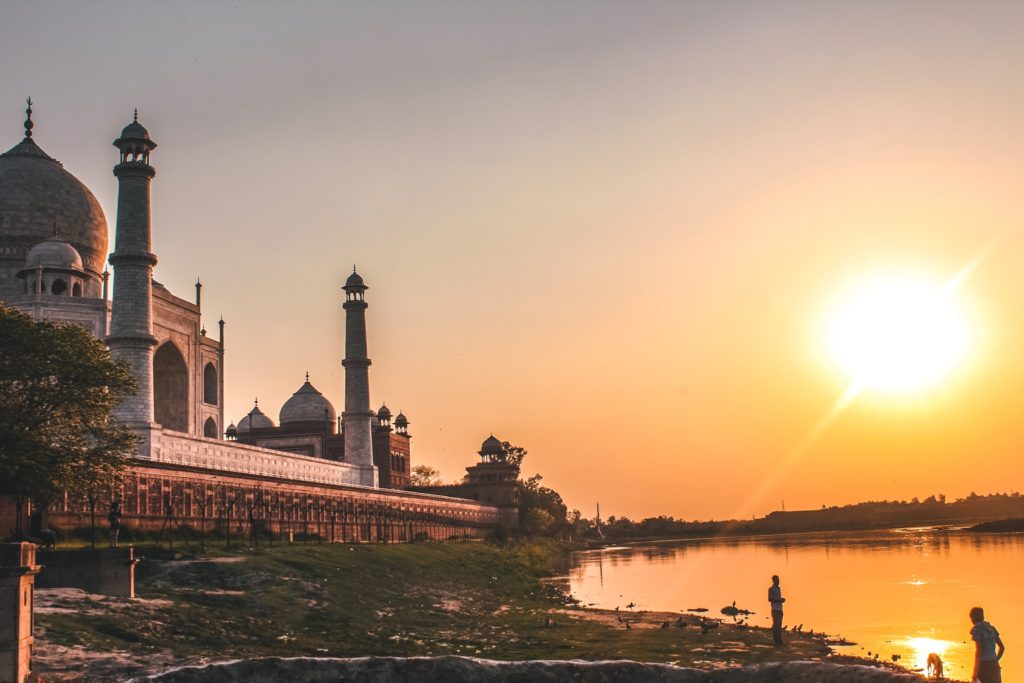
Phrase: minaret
x=131 y=330
x=357 y=420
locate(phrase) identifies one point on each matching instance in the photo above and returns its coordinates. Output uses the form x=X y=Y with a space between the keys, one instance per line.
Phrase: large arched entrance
x=170 y=388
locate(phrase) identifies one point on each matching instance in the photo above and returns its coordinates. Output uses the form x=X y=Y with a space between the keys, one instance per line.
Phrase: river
x=902 y=592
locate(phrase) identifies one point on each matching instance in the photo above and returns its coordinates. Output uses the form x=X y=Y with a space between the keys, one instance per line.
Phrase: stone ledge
x=465 y=669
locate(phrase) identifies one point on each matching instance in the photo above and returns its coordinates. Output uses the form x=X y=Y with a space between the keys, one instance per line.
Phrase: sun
x=898 y=333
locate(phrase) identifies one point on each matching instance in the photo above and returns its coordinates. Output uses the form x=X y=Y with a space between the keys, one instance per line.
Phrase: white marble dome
x=54 y=253
x=306 y=405
x=37 y=196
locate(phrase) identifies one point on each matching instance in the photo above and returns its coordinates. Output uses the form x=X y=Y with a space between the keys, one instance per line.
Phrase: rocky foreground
x=466 y=670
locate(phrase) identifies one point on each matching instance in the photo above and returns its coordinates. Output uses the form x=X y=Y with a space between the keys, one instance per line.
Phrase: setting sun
x=898 y=333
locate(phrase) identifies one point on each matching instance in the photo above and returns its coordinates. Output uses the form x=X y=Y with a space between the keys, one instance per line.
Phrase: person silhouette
x=775 y=599
x=988 y=649
x=115 y=522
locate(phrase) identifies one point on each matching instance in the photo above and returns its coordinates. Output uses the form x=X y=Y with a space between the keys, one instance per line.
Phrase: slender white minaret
x=131 y=327
x=357 y=420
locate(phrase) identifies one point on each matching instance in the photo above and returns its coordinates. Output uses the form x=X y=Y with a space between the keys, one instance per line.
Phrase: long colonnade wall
x=157 y=497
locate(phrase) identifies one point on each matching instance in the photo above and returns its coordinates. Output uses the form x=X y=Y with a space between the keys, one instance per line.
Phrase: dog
x=48 y=539
x=934 y=665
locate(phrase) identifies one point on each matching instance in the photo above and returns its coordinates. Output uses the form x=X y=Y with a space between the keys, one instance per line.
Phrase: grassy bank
x=470 y=599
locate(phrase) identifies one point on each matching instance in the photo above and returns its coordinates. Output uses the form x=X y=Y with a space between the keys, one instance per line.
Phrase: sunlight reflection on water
x=903 y=592
x=922 y=647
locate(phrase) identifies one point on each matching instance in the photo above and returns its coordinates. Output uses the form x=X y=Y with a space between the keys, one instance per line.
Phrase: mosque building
x=53 y=247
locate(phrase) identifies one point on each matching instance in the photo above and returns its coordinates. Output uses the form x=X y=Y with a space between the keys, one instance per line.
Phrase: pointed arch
x=170 y=388
x=210 y=428
x=210 y=384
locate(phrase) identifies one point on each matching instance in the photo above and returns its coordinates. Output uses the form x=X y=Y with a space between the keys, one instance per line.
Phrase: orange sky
x=607 y=232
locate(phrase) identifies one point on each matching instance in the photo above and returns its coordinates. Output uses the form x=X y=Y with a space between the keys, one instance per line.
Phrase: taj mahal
x=309 y=465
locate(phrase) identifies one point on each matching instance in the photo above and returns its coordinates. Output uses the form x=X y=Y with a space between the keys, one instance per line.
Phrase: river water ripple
x=903 y=592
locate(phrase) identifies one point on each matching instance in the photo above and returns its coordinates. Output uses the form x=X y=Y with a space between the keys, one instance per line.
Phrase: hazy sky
x=606 y=231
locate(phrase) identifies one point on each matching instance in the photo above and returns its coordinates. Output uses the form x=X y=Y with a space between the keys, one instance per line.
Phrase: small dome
x=354 y=280
x=384 y=413
x=231 y=430
x=134 y=131
x=401 y=420
x=54 y=253
x=307 y=405
x=491 y=445
x=256 y=419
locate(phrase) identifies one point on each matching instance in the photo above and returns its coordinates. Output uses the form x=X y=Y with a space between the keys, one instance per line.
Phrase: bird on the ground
x=628 y=627
x=706 y=626
x=896 y=658
x=664 y=625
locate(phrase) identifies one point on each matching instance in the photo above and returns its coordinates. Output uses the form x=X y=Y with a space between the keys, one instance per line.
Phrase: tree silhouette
x=58 y=386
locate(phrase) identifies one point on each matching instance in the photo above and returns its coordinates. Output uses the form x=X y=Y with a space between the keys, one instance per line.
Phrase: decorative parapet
x=176 y=448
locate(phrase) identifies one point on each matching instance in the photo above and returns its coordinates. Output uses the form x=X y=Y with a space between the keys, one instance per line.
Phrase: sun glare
x=898 y=333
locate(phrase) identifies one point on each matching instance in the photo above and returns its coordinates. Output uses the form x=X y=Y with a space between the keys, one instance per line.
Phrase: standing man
x=775 y=599
x=988 y=649
x=115 y=522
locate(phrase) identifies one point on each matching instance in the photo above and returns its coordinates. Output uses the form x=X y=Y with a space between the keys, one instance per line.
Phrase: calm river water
x=904 y=591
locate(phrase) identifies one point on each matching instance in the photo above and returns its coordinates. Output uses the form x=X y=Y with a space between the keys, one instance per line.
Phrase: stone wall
x=161 y=496
x=101 y=571
x=91 y=313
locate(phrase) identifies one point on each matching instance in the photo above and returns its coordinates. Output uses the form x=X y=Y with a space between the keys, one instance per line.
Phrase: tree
x=425 y=475
x=58 y=386
x=541 y=509
x=513 y=454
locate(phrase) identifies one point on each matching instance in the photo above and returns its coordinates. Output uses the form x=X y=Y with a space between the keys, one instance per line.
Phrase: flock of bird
x=707 y=624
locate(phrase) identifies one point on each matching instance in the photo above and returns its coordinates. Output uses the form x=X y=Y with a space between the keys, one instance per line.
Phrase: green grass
x=471 y=599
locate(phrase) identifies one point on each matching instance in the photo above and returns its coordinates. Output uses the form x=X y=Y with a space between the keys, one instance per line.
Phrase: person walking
x=775 y=599
x=988 y=649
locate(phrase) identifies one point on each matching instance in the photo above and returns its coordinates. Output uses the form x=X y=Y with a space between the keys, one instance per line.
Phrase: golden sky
x=609 y=232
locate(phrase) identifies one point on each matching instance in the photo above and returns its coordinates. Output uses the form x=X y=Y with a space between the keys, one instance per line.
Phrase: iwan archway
x=170 y=388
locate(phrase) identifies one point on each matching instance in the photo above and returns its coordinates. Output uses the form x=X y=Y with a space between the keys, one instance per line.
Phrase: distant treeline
x=872 y=514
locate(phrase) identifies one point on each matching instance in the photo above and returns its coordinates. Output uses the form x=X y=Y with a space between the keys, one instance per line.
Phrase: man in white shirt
x=775 y=599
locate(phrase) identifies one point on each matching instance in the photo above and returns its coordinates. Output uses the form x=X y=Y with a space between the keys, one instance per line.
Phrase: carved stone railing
x=230 y=456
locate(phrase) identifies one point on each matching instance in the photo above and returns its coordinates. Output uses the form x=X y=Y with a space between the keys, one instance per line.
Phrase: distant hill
x=867 y=515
